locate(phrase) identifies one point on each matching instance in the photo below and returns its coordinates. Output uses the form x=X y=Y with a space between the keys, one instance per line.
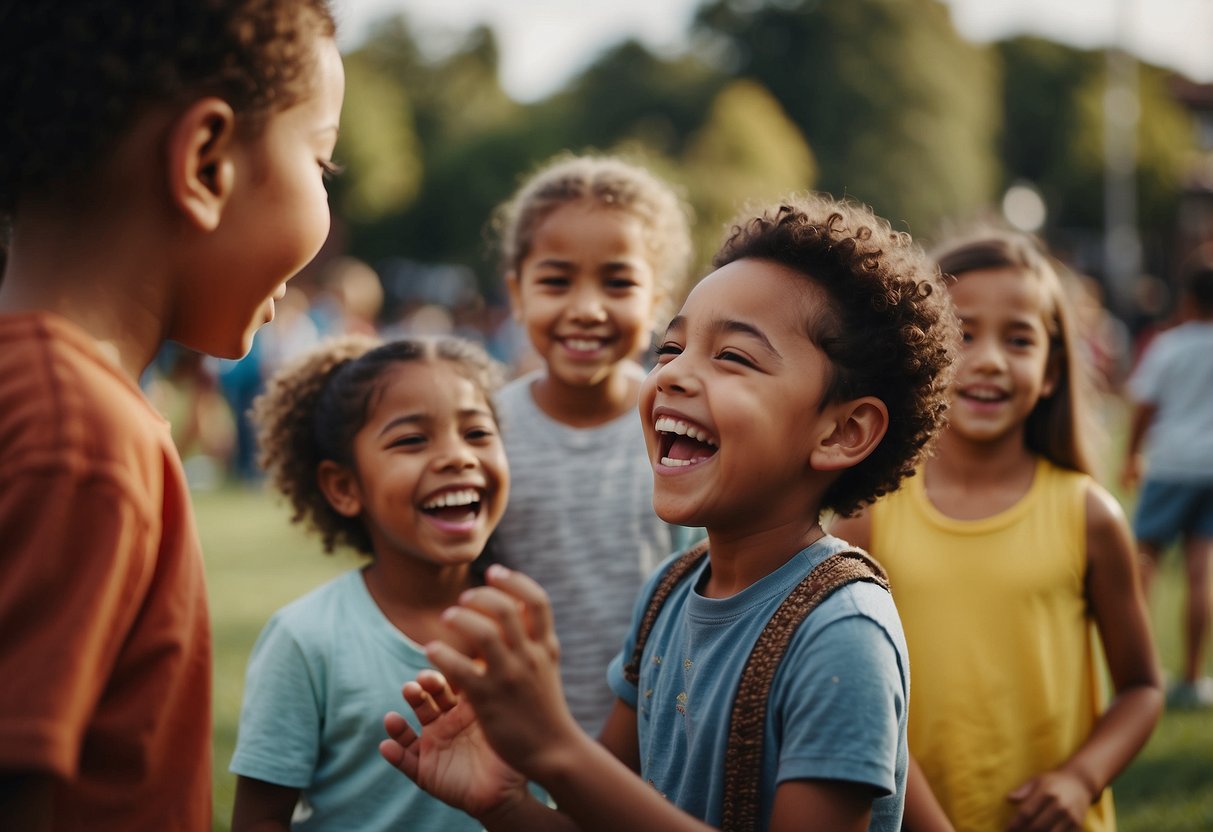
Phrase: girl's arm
x=1118 y=606
x=923 y=813
x=1139 y=423
x=262 y=806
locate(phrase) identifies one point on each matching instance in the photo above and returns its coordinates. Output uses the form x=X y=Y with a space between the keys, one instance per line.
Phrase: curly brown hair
x=76 y=74
x=611 y=182
x=889 y=330
x=1060 y=426
x=313 y=408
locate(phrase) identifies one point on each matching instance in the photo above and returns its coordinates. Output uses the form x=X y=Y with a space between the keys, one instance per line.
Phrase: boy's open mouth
x=455 y=506
x=682 y=443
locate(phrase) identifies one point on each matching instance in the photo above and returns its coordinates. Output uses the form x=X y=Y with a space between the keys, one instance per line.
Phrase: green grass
x=256 y=562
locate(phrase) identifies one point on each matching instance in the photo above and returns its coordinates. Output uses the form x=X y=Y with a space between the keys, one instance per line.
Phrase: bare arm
x=262 y=806
x=1139 y=423
x=1062 y=796
x=923 y=812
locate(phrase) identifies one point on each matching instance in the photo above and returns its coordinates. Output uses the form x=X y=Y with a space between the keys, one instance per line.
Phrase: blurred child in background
x=161 y=171
x=1172 y=392
x=1007 y=560
x=393 y=451
x=591 y=247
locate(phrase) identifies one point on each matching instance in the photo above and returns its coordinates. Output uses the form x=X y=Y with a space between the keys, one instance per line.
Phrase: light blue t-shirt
x=1176 y=375
x=838 y=703
x=322 y=674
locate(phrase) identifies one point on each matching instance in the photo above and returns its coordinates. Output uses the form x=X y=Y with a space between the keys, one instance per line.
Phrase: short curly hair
x=77 y=73
x=611 y=182
x=889 y=331
x=313 y=408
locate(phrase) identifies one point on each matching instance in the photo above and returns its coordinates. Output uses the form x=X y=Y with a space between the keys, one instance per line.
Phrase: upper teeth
x=985 y=395
x=667 y=424
x=453 y=498
x=583 y=344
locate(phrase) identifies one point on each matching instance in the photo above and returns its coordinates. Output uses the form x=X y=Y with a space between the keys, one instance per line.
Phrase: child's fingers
x=539 y=622
x=422 y=703
x=400 y=748
x=436 y=685
x=499 y=606
x=462 y=672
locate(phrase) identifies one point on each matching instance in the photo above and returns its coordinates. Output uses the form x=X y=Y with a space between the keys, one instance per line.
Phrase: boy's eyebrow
x=678 y=322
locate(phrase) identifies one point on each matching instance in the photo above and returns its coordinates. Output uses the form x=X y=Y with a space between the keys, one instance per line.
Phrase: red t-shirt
x=105 y=655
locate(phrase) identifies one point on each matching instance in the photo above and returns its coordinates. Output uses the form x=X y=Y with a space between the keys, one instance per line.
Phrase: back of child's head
x=888 y=330
x=77 y=74
x=1196 y=281
x=1057 y=428
x=312 y=410
x=608 y=182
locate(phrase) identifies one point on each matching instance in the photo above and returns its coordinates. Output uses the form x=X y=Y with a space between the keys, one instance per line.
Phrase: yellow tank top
x=1004 y=670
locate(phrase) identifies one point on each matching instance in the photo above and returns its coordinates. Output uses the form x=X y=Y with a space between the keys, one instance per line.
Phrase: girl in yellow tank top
x=1011 y=567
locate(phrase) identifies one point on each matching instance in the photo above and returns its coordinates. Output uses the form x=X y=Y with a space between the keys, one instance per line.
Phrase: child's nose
x=987 y=354
x=586 y=306
x=456 y=456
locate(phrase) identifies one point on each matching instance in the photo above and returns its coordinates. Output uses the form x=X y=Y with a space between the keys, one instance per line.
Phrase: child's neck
x=741 y=559
x=86 y=275
x=412 y=593
x=584 y=406
x=970 y=481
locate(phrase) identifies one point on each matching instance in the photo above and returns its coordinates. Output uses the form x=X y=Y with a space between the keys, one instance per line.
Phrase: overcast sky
x=543 y=42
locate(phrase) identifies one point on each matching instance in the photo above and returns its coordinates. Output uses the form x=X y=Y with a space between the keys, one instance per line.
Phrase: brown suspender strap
x=743 y=756
x=675 y=573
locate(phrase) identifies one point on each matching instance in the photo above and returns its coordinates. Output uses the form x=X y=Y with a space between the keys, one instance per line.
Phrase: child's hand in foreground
x=450 y=759
x=502 y=655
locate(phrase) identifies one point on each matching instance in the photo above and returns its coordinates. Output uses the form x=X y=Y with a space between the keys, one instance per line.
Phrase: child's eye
x=479 y=434
x=329 y=168
x=729 y=355
x=553 y=281
x=412 y=440
x=620 y=284
x=668 y=349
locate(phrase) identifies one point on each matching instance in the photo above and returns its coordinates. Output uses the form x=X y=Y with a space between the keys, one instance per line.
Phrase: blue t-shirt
x=838 y=702
x=322 y=674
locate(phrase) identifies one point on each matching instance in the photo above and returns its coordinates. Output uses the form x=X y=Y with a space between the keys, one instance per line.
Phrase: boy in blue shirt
x=805 y=374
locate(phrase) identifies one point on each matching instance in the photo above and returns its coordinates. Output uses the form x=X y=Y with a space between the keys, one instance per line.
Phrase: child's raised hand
x=1056 y=801
x=502 y=654
x=450 y=758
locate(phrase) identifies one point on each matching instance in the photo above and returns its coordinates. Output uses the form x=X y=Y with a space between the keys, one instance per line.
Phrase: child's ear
x=1052 y=375
x=340 y=488
x=201 y=169
x=514 y=290
x=854 y=430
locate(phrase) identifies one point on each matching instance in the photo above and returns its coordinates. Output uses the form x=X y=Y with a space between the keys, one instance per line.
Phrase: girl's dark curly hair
x=312 y=410
x=889 y=330
x=76 y=74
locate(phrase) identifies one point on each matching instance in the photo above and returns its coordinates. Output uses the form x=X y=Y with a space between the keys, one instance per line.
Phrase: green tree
x=747 y=150
x=901 y=112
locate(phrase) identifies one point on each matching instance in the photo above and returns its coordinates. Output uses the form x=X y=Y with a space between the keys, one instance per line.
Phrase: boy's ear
x=855 y=429
x=515 y=293
x=201 y=169
x=340 y=488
